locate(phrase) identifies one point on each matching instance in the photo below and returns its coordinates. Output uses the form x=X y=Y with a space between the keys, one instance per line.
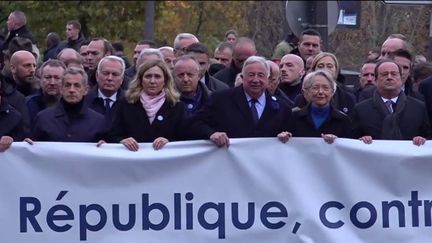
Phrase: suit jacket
x=131 y=120
x=425 y=88
x=409 y=119
x=54 y=124
x=228 y=111
x=213 y=84
x=301 y=124
x=97 y=104
x=228 y=75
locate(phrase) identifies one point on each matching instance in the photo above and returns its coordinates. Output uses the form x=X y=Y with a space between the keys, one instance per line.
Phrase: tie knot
x=107 y=102
x=390 y=104
x=253 y=101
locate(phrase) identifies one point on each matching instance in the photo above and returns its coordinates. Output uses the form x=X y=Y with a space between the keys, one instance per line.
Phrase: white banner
x=257 y=190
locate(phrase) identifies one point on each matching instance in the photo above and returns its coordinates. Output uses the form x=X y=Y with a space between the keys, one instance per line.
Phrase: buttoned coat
x=229 y=111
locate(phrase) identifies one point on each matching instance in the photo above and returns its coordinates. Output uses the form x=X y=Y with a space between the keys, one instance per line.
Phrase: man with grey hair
x=17 y=26
x=182 y=41
x=244 y=111
x=103 y=98
x=70 y=120
x=168 y=54
x=148 y=54
x=186 y=75
x=71 y=57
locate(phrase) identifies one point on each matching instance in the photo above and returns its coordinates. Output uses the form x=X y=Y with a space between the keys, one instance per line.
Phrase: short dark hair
x=197 y=48
x=370 y=62
x=118 y=46
x=107 y=45
x=85 y=43
x=401 y=53
x=224 y=45
x=422 y=70
x=384 y=60
x=151 y=43
x=53 y=63
x=75 y=23
x=309 y=32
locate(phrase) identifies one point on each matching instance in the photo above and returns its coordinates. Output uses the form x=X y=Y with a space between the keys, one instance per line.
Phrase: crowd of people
x=81 y=90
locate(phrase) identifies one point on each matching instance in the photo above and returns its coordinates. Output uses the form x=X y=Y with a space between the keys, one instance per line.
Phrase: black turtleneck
x=72 y=110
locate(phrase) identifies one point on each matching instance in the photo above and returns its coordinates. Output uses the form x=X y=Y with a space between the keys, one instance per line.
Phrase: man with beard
x=367 y=81
x=23 y=65
x=291 y=72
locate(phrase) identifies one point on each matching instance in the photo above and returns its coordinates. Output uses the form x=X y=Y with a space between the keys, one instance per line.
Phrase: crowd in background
x=87 y=90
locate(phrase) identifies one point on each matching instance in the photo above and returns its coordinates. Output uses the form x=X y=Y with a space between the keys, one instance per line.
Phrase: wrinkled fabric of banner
x=257 y=190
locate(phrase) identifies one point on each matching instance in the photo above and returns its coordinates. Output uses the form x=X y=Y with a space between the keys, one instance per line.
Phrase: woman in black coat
x=318 y=118
x=150 y=111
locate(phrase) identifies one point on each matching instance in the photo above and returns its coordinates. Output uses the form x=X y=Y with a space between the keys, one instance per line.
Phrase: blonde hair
x=321 y=56
x=135 y=87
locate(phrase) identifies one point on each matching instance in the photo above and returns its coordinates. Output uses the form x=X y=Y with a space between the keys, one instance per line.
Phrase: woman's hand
x=130 y=143
x=220 y=139
x=419 y=140
x=159 y=142
x=366 y=139
x=328 y=138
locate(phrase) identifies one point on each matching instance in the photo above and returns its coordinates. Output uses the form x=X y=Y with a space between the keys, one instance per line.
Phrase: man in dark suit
x=390 y=113
x=243 y=48
x=69 y=120
x=103 y=97
x=425 y=88
x=244 y=111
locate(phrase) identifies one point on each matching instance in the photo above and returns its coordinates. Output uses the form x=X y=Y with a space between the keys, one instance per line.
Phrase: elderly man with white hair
x=244 y=111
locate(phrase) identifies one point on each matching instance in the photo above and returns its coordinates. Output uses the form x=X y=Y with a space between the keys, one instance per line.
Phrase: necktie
x=107 y=107
x=254 y=111
x=389 y=104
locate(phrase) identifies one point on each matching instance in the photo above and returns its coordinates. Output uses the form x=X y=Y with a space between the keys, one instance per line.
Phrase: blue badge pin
x=160 y=118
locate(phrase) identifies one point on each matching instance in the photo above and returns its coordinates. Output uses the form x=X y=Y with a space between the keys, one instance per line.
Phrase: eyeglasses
x=316 y=89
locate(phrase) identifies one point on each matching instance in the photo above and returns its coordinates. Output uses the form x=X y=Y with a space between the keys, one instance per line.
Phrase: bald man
x=292 y=70
x=23 y=65
x=393 y=43
x=274 y=81
x=242 y=50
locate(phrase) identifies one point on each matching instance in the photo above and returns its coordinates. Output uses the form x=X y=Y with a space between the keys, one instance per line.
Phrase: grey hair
x=166 y=48
x=182 y=36
x=20 y=15
x=75 y=71
x=257 y=59
x=188 y=57
x=309 y=79
x=112 y=58
x=149 y=52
